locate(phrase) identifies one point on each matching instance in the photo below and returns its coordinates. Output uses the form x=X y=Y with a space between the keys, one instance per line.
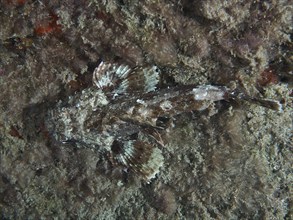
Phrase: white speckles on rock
x=166 y=105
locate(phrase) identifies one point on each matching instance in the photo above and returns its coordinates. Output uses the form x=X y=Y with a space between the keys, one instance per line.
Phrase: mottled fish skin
x=119 y=114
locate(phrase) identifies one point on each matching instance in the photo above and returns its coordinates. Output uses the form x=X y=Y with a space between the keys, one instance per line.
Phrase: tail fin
x=267 y=103
x=271 y=104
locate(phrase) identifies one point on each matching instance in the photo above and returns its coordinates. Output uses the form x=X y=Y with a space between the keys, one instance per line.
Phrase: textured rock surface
x=233 y=161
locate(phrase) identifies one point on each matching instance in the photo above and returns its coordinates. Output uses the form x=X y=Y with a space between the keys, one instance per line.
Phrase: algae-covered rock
x=230 y=161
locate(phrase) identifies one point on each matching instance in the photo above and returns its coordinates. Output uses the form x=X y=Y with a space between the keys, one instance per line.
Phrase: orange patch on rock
x=47 y=28
x=267 y=77
x=15 y=133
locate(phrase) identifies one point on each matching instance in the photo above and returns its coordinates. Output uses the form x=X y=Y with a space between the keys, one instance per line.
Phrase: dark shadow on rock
x=34 y=121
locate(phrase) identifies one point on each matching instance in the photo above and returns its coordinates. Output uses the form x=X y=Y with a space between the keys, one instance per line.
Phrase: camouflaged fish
x=122 y=113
